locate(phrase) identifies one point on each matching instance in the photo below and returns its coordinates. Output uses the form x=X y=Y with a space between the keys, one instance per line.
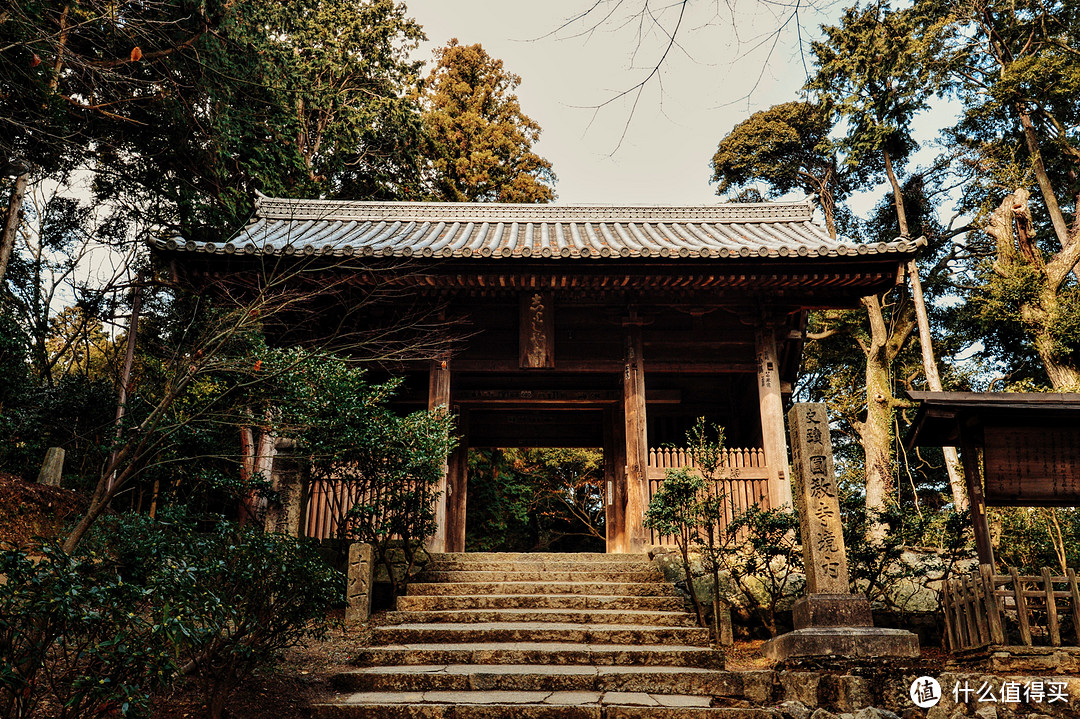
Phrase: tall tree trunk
x=1039 y=315
x=875 y=433
x=1056 y=218
x=125 y=375
x=898 y=194
x=933 y=379
x=12 y=221
x=1064 y=376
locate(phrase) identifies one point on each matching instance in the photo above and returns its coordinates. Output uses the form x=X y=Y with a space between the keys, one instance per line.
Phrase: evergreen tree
x=1015 y=67
x=480 y=140
x=786 y=146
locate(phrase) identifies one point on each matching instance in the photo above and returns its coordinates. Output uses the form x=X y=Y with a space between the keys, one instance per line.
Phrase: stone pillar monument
x=830 y=622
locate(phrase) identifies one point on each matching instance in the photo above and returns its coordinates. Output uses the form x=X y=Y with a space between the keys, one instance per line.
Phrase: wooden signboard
x=537 y=331
x=1032 y=466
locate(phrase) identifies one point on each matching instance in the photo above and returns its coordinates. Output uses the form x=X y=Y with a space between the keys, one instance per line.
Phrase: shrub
x=764 y=561
x=391 y=464
x=675 y=510
x=239 y=597
x=75 y=639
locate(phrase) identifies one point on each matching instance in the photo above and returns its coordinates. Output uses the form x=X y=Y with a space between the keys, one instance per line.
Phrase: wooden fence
x=747 y=483
x=984 y=609
x=327 y=502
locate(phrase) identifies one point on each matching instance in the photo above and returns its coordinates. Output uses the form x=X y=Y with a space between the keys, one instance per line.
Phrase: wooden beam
x=984 y=547
x=439 y=398
x=606 y=366
x=637 y=445
x=771 y=407
x=457 y=477
x=556 y=398
x=614 y=480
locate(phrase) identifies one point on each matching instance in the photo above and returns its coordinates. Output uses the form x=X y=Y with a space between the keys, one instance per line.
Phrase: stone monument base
x=839 y=627
x=832 y=610
x=843 y=643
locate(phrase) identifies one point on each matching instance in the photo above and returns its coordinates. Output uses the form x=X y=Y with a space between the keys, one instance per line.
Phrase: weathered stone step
x=452 y=565
x=554 y=653
x=417 y=603
x=464 y=677
x=563 y=616
x=541 y=575
x=358 y=710
x=624 y=589
x=511 y=557
x=623 y=634
x=528 y=705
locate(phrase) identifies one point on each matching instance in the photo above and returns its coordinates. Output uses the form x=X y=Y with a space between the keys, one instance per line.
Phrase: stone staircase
x=532 y=636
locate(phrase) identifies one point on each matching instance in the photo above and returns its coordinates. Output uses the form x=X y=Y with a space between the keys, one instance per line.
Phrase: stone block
x=758 y=686
x=800 y=687
x=360 y=579
x=851 y=643
x=852 y=693
x=832 y=610
x=794 y=710
x=286 y=479
x=52 y=468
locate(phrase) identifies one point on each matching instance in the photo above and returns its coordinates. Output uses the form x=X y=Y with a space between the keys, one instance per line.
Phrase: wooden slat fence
x=984 y=609
x=327 y=503
x=747 y=485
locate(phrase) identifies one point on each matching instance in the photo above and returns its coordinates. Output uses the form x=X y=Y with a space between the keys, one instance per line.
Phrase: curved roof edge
x=337 y=228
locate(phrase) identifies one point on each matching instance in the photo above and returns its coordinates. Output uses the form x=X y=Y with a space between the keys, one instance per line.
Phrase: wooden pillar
x=772 y=418
x=984 y=547
x=614 y=480
x=456 y=486
x=636 y=441
x=439 y=396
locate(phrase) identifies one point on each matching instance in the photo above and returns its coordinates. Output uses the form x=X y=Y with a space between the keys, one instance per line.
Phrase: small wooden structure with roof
x=589 y=326
x=1030 y=445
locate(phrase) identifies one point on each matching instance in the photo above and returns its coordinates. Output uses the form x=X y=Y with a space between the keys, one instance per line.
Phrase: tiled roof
x=489 y=230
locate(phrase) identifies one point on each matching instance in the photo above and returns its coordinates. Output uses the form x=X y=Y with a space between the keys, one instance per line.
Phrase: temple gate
x=578 y=326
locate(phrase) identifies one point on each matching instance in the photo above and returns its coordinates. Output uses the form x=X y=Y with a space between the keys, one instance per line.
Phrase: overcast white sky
x=715 y=79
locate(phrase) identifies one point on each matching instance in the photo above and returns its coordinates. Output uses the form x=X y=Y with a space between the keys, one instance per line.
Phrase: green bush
x=76 y=640
x=148 y=599
x=676 y=510
x=764 y=561
x=392 y=464
x=238 y=598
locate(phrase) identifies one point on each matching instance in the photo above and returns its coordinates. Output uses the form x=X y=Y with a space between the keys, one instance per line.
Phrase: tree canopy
x=480 y=140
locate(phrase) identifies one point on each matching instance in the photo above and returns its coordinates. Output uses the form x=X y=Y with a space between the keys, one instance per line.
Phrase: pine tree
x=480 y=140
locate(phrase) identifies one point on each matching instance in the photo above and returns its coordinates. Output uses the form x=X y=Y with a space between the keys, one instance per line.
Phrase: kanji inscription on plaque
x=818 y=499
x=1038 y=466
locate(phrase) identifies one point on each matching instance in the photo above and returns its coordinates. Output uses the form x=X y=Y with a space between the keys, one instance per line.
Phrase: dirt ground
x=29 y=510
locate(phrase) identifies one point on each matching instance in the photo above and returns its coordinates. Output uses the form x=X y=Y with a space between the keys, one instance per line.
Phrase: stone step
x=453 y=565
x=504 y=558
x=532 y=614
x=486 y=632
x=465 y=677
x=421 y=603
x=623 y=589
x=540 y=575
x=553 y=653
x=528 y=705
x=604 y=708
